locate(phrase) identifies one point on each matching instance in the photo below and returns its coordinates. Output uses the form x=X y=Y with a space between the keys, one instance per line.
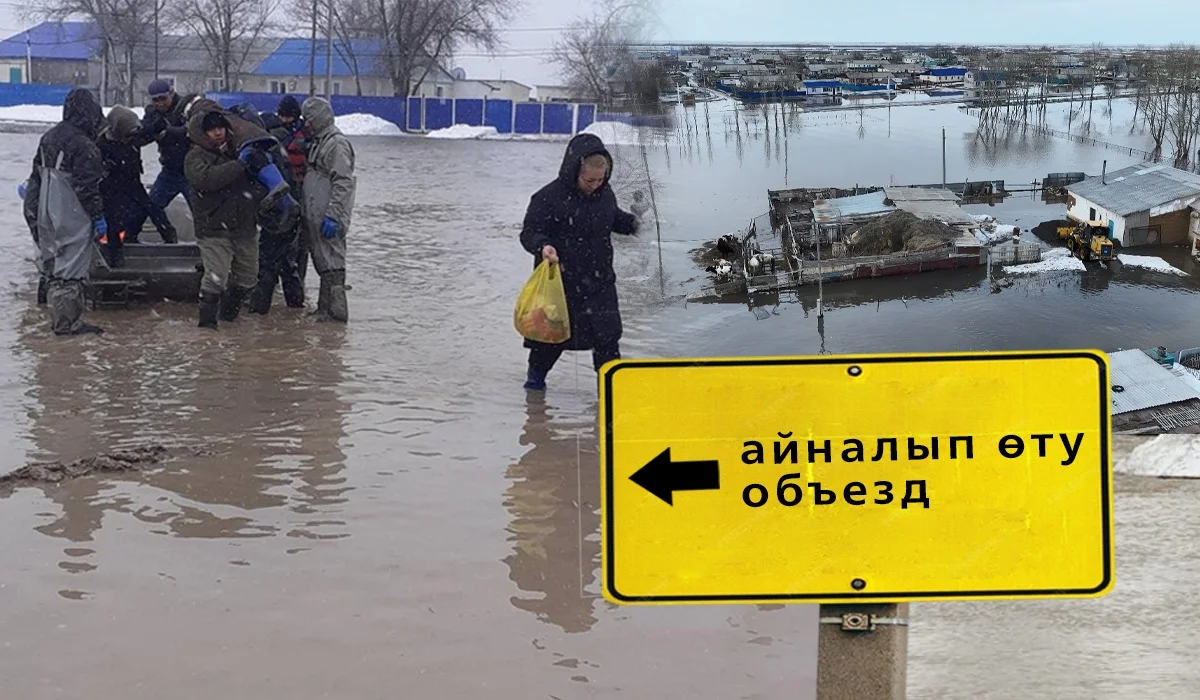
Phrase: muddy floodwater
x=378 y=510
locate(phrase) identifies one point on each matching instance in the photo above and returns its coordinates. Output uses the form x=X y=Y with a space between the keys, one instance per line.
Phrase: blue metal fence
x=412 y=114
x=12 y=94
x=432 y=113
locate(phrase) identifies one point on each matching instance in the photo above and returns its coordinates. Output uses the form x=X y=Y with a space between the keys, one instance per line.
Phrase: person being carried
x=329 y=187
x=64 y=209
x=278 y=230
x=570 y=222
x=126 y=203
x=224 y=167
x=287 y=126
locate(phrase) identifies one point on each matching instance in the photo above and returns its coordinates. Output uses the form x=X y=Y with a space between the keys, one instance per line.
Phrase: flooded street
x=377 y=510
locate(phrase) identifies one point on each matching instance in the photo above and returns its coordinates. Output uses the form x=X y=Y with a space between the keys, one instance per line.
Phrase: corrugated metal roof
x=1146 y=383
x=54 y=41
x=1139 y=188
x=292 y=57
x=947 y=71
x=949 y=212
x=869 y=204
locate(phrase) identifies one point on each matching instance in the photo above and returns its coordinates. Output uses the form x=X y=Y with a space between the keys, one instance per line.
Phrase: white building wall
x=1082 y=211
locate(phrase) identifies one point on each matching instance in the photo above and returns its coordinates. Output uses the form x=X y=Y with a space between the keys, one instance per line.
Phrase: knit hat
x=288 y=107
x=212 y=120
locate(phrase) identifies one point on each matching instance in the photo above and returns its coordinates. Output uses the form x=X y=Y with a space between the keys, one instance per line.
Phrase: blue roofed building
x=51 y=52
x=358 y=68
x=944 y=76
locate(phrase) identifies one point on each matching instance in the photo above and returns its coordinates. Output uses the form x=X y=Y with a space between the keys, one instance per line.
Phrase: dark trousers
x=543 y=357
x=166 y=187
x=277 y=255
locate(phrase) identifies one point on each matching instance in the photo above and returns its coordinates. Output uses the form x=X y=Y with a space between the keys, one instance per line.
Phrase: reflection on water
x=554 y=501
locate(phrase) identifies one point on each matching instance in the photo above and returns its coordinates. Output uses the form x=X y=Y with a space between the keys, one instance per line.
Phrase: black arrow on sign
x=663 y=478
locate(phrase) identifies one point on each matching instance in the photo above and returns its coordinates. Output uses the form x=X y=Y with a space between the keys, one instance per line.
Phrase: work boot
x=209 y=307
x=338 y=309
x=535 y=379
x=322 y=310
x=169 y=235
x=231 y=302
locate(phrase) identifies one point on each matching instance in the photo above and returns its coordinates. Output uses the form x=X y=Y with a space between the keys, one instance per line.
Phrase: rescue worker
x=225 y=165
x=329 y=187
x=64 y=208
x=278 y=231
x=164 y=122
x=125 y=200
x=570 y=222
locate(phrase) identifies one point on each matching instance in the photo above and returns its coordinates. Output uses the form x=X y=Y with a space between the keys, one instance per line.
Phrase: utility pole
x=943 y=158
x=329 y=53
x=862 y=652
x=312 y=54
x=157 y=5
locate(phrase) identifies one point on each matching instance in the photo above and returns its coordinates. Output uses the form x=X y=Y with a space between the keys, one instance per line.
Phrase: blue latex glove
x=21 y=189
x=244 y=156
x=100 y=228
x=329 y=228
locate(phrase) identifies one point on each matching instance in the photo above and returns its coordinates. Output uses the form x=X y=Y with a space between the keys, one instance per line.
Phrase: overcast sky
x=1114 y=22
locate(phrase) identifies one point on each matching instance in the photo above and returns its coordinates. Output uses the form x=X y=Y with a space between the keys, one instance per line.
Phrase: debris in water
x=898 y=232
x=727 y=247
x=55 y=472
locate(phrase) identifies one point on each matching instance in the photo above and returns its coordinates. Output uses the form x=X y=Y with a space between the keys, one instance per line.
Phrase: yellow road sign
x=881 y=478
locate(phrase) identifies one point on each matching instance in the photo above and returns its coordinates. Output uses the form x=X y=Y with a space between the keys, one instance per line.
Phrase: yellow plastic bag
x=541 y=313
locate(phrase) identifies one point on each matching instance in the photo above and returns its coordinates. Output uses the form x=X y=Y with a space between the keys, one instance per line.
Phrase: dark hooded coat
x=121 y=188
x=580 y=228
x=75 y=138
x=225 y=200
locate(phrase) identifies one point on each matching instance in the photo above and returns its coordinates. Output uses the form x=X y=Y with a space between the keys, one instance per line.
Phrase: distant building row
x=68 y=53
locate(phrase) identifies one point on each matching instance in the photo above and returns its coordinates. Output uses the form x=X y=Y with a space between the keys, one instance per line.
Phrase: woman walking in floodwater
x=570 y=222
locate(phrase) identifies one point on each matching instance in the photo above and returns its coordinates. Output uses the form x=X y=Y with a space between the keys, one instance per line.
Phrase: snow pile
x=1164 y=455
x=1053 y=260
x=48 y=114
x=990 y=231
x=1150 y=262
x=358 y=124
x=615 y=133
x=463 y=131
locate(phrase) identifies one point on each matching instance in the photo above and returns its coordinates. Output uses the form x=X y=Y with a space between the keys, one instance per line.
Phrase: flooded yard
x=378 y=510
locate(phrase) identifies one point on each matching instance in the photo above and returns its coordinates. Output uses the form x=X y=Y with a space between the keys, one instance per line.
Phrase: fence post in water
x=862 y=652
x=943 y=158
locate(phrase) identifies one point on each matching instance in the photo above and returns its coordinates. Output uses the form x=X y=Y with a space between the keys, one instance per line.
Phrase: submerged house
x=1142 y=204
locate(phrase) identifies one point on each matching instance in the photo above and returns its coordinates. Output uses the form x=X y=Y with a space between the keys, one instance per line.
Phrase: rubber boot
x=41 y=291
x=535 y=379
x=338 y=308
x=209 y=306
x=169 y=235
x=231 y=302
x=322 y=310
x=260 y=298
x=278 y=192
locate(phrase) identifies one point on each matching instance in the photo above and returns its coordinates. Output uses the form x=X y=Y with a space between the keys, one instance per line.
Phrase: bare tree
x=596 y=51
x=420 y=34
x=227 y=29
x=357 y=35
x=122 y=27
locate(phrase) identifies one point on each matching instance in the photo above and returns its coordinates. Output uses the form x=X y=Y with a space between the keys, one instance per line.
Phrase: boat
x=152 y=271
